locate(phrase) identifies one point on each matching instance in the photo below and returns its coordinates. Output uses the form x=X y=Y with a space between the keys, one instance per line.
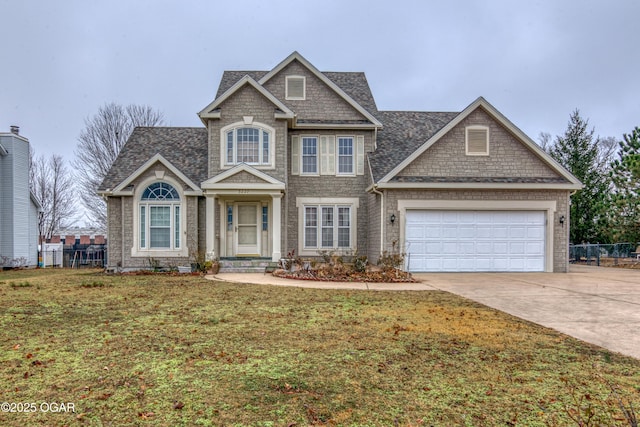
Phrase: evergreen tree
x=578 y=151
x=625 y=198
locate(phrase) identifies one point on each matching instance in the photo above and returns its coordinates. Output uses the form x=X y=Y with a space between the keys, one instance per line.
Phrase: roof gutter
x=374 y=189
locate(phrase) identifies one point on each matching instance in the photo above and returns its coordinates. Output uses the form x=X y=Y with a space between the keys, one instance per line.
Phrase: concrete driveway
x=595 y=304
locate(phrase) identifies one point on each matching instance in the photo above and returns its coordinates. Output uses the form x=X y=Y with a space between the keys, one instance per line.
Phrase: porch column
x=211 y=226
x=276 y=208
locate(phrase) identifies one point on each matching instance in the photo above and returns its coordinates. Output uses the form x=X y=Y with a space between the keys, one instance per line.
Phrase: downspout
x=122 y=234
x=375 y=190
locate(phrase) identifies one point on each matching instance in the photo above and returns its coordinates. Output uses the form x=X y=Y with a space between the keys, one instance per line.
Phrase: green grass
x=163 y=350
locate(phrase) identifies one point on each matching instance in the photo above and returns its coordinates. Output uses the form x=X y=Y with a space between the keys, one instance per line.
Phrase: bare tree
x=607 y=149
x=100 y=143
x=52 y=183
x=545 y=141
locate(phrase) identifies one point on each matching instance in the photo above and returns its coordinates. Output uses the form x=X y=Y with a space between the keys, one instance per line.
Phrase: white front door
x=246 y=230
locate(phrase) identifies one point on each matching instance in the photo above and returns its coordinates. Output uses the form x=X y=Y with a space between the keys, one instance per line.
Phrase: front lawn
x=161 y=350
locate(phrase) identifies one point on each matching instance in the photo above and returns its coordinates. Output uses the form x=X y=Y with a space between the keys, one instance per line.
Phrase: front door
x=246 y=231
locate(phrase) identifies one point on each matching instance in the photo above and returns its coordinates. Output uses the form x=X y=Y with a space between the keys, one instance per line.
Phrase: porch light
x=393 y=218
x=561 y=220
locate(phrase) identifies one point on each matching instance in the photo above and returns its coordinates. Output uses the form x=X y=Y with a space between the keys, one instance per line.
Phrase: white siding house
x=19 y=208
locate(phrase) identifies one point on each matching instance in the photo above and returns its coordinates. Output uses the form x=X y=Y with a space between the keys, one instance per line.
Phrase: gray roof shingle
x=185 y=148
x=403 y=133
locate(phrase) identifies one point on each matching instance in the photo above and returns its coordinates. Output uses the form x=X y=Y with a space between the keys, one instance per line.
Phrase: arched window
x=251 y=144
x=159 y=209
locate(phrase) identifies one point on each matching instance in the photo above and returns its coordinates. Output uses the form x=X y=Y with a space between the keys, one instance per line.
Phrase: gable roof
x=350 y=86
x=385 y=169
x=354 y=84
x=210 y=110
x=295 y=56
x=157 y=158
x=183 y=148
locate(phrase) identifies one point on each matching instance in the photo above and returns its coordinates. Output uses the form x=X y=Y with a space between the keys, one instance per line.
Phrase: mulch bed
x=383 y=276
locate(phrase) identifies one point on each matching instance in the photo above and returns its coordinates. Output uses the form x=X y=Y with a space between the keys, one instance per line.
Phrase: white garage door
x=475 y=240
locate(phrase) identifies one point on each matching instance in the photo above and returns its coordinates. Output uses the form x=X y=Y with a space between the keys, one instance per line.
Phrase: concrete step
x=245 y=265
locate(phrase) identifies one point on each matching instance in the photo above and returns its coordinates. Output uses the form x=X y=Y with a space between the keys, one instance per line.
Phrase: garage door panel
x=517 y=232
x=516 y=248
x=417 y=231
x=534 y=265
x=467 y=232
x=467 y=248
x=500 y=248
x=484 y=248
x=449 y=248
x=500 y=231
x=449 y=231
x=449 y=264
x=536 y=232
x=534 y=248
x=475 y=240
x=433 y=247
x=484 y=231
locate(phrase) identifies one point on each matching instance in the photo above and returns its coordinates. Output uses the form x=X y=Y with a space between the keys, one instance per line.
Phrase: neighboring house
x=295 y=159
x=19 y=208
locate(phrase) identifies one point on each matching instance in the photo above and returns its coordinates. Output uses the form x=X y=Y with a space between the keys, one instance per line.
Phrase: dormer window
x=251 y=144
x=295 y=88
x=477 y=140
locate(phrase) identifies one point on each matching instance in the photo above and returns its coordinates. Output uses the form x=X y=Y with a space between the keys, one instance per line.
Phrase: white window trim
x=244 y=124
x=466 y=140
x=318 y=154
x=136 y=250
x=304 y=88
x=352 y=202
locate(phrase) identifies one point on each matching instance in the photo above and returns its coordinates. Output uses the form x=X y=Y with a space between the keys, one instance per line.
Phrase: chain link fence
x=605 y=254
x=92 y=256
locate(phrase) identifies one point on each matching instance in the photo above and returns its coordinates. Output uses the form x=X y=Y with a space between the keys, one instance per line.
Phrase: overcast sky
x=535 y=61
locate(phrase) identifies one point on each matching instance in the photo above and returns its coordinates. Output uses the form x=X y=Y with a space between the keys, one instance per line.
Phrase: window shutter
x=327 y=155
x=295 y=155
x=477 y=141
x=360 y=155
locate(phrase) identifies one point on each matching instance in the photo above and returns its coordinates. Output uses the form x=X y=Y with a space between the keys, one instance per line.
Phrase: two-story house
x=19 y=208
x=295 y=159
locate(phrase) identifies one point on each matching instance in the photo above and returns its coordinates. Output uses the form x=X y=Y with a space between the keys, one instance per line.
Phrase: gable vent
x=477 y=141
x=295 y=88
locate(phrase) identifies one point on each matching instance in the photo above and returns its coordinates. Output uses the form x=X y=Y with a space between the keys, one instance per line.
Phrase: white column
x=211 y=226
x=275 y=228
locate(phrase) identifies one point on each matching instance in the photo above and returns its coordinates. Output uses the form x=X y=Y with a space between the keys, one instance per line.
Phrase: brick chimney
x=15 y=129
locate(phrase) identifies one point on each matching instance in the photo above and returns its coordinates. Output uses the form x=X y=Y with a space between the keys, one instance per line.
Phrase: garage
x=466 y=240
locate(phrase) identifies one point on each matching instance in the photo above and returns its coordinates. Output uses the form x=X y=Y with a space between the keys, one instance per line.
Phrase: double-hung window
x=328 y=155
x=248 y=144
x=310 y=155
x=345 y=155
x=159 y=217
x=327 y=227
